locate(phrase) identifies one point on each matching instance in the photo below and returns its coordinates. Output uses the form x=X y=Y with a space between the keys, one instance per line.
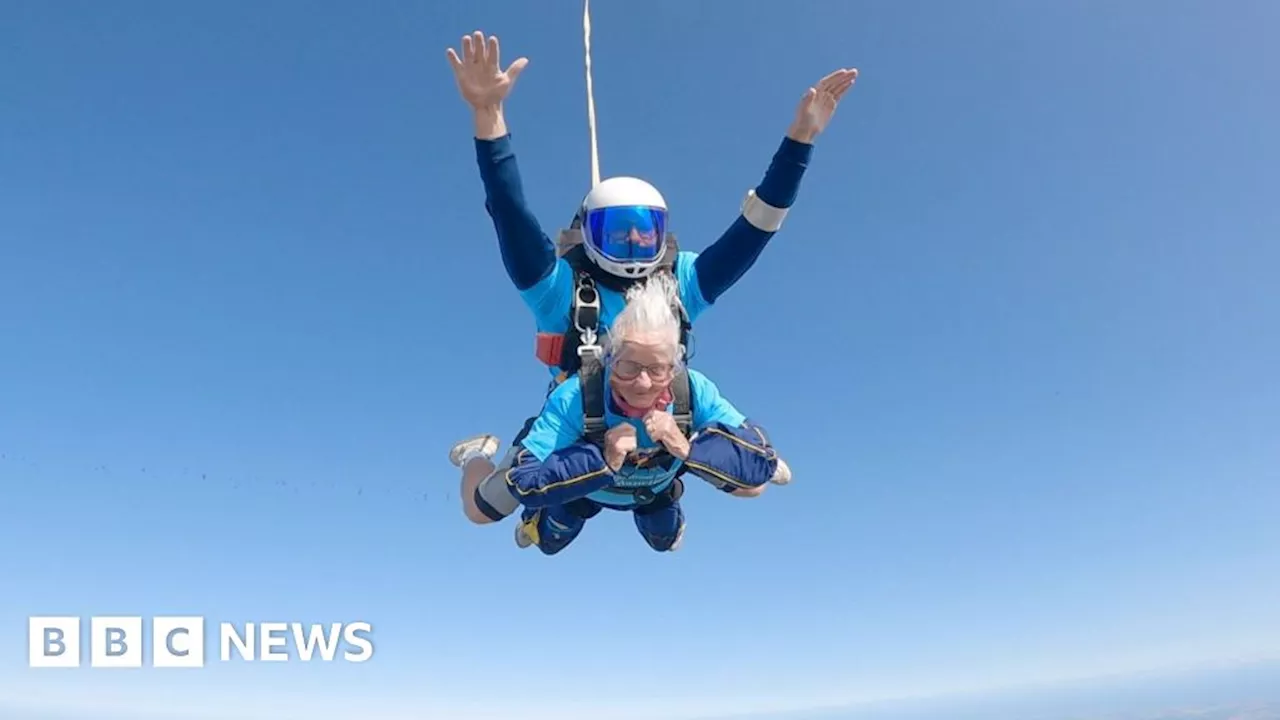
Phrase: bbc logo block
x=115 y=642
x=177 y=642
x=54 y=642
x=119 y=641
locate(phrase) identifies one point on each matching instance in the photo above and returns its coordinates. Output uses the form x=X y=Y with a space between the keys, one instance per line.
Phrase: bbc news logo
x=179 y=642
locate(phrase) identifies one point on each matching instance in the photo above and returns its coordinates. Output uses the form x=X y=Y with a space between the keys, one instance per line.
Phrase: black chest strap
x=682 y=393
x=591 y=377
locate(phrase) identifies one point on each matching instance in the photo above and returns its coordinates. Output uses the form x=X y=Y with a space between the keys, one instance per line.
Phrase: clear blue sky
x=1018 y=341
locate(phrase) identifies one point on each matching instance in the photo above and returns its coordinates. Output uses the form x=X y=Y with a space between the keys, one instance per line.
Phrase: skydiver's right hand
x=482 y=82
x=618 y=442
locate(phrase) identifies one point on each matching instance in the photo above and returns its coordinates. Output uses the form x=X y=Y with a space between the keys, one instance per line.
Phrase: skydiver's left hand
x=662 y=427
x=819 y=105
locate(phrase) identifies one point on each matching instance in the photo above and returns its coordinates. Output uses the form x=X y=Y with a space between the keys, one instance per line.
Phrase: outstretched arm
x=726 y=260
x=732 y=255
x=734 y=458
x=728 y=450
x=527 y=253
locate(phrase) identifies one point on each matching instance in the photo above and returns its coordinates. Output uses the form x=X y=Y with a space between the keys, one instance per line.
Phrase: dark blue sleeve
x=567 y=474
x=733 y=458
x=732 y=255
x=528 y=254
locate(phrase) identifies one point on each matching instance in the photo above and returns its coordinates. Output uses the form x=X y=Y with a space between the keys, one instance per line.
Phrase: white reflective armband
x=761 y=214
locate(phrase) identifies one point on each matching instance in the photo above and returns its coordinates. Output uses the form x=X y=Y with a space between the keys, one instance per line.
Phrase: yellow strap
x=530 y=527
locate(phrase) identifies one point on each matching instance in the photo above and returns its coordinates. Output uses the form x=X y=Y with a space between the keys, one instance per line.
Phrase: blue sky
x=1017 y=341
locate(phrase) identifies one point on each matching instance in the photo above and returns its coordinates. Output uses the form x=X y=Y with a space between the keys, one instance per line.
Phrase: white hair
x=651 y=309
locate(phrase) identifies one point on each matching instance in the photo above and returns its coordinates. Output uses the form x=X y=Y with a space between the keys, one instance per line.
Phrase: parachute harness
x=586 y=318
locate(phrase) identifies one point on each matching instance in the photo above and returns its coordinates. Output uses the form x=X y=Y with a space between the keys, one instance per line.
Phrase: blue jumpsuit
x=562 y=480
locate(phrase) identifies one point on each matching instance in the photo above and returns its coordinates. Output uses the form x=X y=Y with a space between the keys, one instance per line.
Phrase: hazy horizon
x=1219 y=692
x=1158 y=693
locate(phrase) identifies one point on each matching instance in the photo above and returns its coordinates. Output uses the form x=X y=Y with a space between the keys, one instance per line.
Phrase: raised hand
x=479 y=74
x=819 y=105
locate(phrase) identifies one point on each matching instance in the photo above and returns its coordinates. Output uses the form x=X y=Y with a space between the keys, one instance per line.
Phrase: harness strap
x=680 y=391
x=584 y=313
x=592 y=378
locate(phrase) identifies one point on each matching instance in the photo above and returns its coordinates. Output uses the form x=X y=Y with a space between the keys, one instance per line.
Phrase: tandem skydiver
x=622 y=433
x=621 y=237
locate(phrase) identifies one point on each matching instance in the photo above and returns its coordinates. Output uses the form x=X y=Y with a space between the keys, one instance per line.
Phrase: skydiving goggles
x=627 y=234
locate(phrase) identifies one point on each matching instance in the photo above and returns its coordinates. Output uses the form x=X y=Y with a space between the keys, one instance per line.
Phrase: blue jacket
x=556 y=465
x=545 y=281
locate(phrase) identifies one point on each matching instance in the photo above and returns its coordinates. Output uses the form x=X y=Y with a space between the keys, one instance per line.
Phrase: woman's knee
x=750 y=492
x=485 y=497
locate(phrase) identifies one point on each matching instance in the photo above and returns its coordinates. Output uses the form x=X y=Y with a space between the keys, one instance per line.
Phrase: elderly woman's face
x=642 y=369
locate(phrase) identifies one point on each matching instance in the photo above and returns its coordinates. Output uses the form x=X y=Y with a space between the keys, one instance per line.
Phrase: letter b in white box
x=115 y=642
x=177 y=642
x=53 y=642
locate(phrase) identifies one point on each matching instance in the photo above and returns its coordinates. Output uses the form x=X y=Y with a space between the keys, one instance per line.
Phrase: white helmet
x=624 y=226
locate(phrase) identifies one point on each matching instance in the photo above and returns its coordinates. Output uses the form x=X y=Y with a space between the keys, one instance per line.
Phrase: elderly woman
x=567 y=468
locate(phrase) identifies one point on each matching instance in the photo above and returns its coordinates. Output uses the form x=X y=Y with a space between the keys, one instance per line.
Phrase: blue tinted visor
x=627 y=234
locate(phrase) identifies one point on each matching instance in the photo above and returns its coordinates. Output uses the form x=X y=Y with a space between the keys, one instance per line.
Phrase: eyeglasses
x=630 y=370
